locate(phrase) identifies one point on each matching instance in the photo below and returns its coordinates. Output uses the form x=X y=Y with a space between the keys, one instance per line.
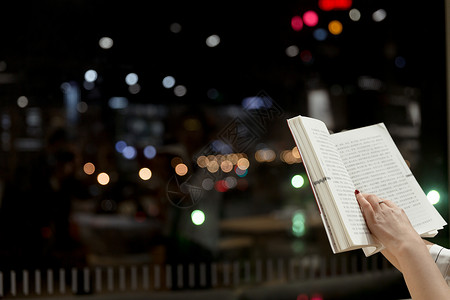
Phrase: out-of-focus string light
x=265 y=155
x=226 y=166
x=181 y=169
x=145 y=173
x=120 y=145
x=129 y=152
x=328 y=5
x=213 y=40
x=292 y=51
x=433 y=196
x=103 y=178
x=320 y=34
x=180 y=90
x=168 y=82
x=296 y=23
x=335 y=27
x=297 y=181
x=22 y=101
x=131 y=78
x=354 y=14
x=310 y=18
x=90 y=75
x=379 y=15
x=106 y=42
x=89 y=168
x=149 y=152
x=198 y=217
x=243 y=163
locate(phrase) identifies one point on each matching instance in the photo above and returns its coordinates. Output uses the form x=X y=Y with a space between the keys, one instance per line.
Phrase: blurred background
x=149 y=139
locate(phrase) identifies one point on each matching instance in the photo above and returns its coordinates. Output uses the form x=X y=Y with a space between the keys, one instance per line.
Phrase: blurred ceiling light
x=90 y=75
x=131 y=78
x=213 y=40
x=105 y=43
x=292 y=51
x=354 y=14
x=379 y=15
x=168 y=82
x=310 y=18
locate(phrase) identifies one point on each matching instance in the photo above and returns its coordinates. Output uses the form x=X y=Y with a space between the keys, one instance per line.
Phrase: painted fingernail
x=356 y=192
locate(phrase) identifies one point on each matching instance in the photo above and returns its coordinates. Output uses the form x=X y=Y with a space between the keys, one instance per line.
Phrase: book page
x=376 y=166
x=339 y=181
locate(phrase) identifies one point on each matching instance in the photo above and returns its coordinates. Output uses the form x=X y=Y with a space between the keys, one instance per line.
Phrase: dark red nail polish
x=356 y=192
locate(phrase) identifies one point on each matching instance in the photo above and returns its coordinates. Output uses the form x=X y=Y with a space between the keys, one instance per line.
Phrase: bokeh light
x=213 y=40
x=106 y=42
x=310 y=18
x=103 y=178
x=145 y=173
x=149 y=152
x=89 y=168
x=297 y=23
x=168 y=82
x=434 y=197
x=335 y=27
x=354 y=14
x=297 y=181
x=181 y=169
x=198 y=217
x=298 y=224
x=22 y=101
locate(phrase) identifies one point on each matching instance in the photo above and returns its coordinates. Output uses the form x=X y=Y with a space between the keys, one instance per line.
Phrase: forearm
x=391 y=258
x=421 y=274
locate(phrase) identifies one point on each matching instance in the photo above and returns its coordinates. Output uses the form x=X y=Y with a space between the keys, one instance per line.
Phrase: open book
x=366 y=159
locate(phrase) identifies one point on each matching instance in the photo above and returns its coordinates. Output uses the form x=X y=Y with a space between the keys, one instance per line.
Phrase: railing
x=157 y=277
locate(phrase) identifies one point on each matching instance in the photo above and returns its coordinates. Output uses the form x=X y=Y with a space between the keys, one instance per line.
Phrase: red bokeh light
x=335 y=4
x=297 y=23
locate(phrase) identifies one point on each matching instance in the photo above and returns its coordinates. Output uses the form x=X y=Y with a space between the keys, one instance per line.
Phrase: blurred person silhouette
x=425 y=266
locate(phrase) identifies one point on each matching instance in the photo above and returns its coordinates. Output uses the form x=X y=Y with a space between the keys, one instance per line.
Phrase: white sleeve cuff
x=441 y=256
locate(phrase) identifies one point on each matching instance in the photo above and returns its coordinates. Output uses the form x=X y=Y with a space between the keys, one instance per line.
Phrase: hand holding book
x=366 y=159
